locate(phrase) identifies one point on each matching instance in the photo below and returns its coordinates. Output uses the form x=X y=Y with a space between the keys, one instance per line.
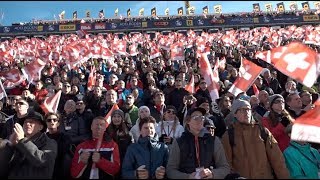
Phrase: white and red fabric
x=13 y=78
x=120 y=47
x=208 y=75
x=248 y=72
x=307 y=126
x=177 y=51
x=91 y=78
x=2 y=91
x=50 y=104
x=295 y=60
x=190 y=86
x=133 y=49
x=155 y=52
x=106 y=53
x=32 y=71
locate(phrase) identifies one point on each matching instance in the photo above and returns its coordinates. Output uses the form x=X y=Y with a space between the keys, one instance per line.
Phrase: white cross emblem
x=299 y=59
x=120 y=46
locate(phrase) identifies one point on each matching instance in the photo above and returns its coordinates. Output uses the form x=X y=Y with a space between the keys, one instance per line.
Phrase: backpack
x=263 y=133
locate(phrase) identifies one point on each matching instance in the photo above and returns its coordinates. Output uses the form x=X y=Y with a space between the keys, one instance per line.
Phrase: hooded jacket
x=147 y=151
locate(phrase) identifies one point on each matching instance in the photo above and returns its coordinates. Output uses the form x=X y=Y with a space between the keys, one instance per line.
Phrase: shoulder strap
x=231 y=135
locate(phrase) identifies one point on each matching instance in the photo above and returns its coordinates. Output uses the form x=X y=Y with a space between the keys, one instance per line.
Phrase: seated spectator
x=106 y=158
x=30 y=153
x=197 y=148
x=148 y=157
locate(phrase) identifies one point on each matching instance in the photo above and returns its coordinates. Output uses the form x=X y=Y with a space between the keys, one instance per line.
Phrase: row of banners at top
x=156 y=24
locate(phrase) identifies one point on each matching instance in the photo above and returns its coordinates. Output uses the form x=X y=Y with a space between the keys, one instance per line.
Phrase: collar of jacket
x=243 y=125
x=303 y=147
x=204 y=132
x=39 y=139
x=149 y=141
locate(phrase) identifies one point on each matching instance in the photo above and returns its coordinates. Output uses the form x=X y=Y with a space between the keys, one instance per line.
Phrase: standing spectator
x=119 y=132
x=133 y=85
x=143 y=112
x=85 y=115
x=106 y=158
x=271 y=82
x=63 y=160
x=66 y=95
x=30 y=153
x=169 y=127
x=169 y=86
x=148 y=157
x=263 y=106
x=130 y=110
x=247 y=152
x=302 y=160
x=278 y=120
x=110 y=100
x=40 y=92
x=94 y=100
x=21 y=108
x=197 y=154
x=156 y=109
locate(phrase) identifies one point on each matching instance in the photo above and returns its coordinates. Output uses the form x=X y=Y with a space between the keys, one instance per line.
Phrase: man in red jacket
x=106 y=159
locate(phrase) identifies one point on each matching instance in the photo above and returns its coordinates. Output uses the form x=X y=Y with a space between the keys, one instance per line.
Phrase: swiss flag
x=13 y=77
x=248 y=72
x=120 y=47
x=209 y=77
x=177 y=51
x=32 y=71
x=50 y=104
x=106 y=53
x=295 y=60
x=133 y=49
x=2 y=91
x=307 y=126
x=155 y=52
x=91 y=78
x=255 y=90
x=190 y=87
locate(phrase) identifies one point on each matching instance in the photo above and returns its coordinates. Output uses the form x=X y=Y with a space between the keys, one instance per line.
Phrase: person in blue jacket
x=303 y=161
x=148 y=157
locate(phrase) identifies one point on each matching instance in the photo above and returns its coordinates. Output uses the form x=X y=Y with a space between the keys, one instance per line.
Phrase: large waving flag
x=307 y=126
x=248 y=72
x=13 y=77
x=33 y=70
x=295 y=60
x=209 y=76
x=50 y=104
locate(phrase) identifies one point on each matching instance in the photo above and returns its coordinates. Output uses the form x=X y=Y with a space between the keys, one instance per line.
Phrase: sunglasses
x=197 y=118
x=54 y=120
x=20 y=103
x=171 y=111
x=79 y=103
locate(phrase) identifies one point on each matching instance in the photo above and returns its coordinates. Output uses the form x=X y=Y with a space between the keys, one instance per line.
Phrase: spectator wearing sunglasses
x=169 y=127
x=197 y=150
x=61 y=168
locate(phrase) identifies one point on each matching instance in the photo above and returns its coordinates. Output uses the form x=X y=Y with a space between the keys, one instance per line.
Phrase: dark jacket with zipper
x=147 y=151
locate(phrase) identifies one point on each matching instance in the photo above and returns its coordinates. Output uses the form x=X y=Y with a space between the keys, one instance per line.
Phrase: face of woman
x=116 y=119
x=144 y=113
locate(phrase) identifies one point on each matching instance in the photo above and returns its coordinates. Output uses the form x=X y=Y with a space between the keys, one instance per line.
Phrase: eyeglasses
x=197 y=118
x=79 y=103
x=20 y=103
x=244 y=110
x=171 y=111
x=278 y=101
x=54 y=120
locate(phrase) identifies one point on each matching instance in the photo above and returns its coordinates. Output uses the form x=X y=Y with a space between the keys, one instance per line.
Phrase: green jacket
x=303 y=161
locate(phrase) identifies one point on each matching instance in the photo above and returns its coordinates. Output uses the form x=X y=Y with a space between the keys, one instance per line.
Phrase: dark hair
x=52 y=113
x=149 y=119
x=274 y=117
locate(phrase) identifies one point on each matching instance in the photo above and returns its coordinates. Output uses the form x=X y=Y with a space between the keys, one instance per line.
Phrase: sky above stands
x=25 y=11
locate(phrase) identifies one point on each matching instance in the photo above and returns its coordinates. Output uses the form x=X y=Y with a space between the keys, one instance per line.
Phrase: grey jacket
x=220 y=161
x=30 y=158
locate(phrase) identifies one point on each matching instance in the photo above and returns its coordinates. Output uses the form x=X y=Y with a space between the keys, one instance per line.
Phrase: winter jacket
x=8 y=126
x=250 y=156
x=278 y=132
x=32 y=158
x=303 y=161
x=108 y=166
x=168 y=129
x=182 y=159
x=147 y=151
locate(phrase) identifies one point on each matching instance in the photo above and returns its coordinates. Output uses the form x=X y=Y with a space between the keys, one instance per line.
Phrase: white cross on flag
x=2 y=91
x=12 y=77
x=32 y=71
x=106 y=53
x=50 y=104
x=307 y=126
x=208 y=75
x=177 y=51
x=295 y=60
x=248 y=72
x=133 y=49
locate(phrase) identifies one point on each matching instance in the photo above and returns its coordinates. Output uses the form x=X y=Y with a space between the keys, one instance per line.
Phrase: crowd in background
x=160 y=130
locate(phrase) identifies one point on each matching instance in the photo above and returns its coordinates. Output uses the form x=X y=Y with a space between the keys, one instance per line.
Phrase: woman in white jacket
x=143 y=112
x=169 y=127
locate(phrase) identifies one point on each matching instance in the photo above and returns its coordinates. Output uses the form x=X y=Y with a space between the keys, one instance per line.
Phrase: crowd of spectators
x=160 y=129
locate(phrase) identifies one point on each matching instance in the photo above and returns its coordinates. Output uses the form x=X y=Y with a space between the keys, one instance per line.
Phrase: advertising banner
x=69 y=27
x=100 y=26
x=27 y=28
x=313 y=17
